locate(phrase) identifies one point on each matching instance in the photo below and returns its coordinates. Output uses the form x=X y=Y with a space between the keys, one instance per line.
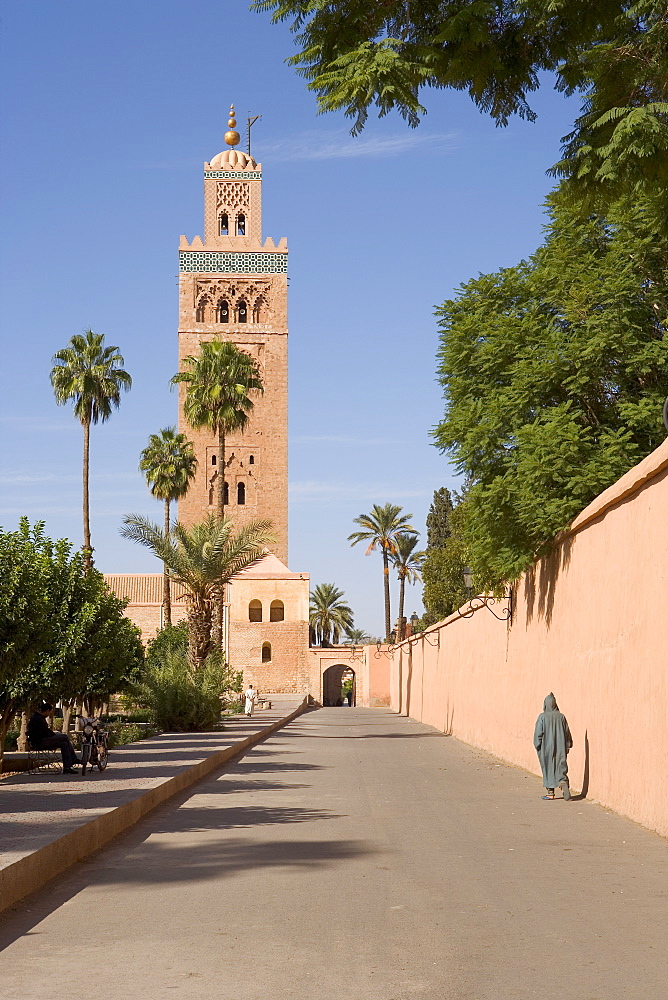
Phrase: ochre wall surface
x=591 y=625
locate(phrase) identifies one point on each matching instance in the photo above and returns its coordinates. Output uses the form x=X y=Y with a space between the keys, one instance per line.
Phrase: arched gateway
x=336 y=679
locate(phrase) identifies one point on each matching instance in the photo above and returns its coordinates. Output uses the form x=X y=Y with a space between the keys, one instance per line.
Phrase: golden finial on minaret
x=232 y=138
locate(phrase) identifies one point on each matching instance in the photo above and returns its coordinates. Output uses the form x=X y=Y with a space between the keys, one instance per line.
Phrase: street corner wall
x=590 y=624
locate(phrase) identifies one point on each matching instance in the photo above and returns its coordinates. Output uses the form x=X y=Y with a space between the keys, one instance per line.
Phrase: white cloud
x=335 y=146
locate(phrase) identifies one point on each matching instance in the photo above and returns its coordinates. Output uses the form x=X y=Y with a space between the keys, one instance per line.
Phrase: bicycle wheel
x=102 y=757
x=85 y=757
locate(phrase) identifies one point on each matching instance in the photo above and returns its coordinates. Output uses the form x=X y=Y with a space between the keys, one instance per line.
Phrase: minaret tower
x=234 y=286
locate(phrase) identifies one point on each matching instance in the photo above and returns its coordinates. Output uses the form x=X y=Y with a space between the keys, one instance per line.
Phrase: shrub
x=122 y=733
x=180 y=700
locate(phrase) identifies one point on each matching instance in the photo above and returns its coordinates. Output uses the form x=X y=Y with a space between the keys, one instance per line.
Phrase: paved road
x=355 y=856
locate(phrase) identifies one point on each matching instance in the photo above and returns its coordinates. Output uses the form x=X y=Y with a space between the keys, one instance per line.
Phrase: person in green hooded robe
x=552 y=740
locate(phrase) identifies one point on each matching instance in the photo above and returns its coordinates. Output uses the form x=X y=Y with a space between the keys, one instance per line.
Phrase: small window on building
x=214 y=459
x=241 y=493
x=266 y=652
x=226 y=493
x=241 y=225
x=224 y=224
x=251 y=460
x=242 y=312
x=223 y=312
x=276 y=611
x=255 y=611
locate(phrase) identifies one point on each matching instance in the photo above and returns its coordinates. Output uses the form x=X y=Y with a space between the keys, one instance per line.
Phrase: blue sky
x=109 y=112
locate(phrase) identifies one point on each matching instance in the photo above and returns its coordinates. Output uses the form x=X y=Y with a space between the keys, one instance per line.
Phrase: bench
x=43 y=758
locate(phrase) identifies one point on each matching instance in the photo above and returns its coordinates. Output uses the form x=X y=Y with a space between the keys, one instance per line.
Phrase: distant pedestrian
x=42 y=737
x=251 y=697
x=552 y=740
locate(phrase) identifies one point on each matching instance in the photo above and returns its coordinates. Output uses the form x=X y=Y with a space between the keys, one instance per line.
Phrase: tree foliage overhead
x=554 y=373
x=359 y=53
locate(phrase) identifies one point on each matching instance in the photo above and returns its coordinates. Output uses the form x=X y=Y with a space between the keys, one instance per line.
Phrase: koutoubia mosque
x=233 y=284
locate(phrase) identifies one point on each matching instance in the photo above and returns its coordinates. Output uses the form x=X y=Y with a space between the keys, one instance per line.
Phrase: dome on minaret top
x=232 y=159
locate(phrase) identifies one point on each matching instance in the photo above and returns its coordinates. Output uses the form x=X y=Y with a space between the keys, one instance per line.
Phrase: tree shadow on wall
x=540 y=581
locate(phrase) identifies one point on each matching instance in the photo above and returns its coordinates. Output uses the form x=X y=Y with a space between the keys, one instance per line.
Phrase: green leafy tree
x=63 y=634
x=218 y=386
x=169 y=464
x=443 y=568
x=438 y=519
x=92 y=376
x=202 y=558
x=24 y=612
x=380 y=528
x=554 y=373
x=329 y=615
x=408 y=564
x=359 y=53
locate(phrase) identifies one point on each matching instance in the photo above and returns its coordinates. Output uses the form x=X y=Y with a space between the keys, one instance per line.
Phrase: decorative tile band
x=234 y=175
x=208 y=261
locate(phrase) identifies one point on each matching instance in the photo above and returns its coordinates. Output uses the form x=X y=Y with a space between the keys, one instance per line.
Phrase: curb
x=34 y=870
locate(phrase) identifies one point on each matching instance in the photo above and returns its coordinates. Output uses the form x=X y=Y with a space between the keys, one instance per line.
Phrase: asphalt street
x=355 y=855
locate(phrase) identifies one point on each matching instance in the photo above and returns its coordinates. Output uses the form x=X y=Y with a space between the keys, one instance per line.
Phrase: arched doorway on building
x=337 y=681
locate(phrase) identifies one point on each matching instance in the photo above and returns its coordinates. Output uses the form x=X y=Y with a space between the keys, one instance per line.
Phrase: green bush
x=180 y=700
x=11 y=739
x=122 y=733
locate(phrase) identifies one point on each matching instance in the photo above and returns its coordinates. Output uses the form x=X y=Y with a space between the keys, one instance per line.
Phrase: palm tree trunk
x=402 y=588
x=386 y=588
x=221 y=472
x=199 y=633
x=220 y=601
x=88 y=549
x=166 y=588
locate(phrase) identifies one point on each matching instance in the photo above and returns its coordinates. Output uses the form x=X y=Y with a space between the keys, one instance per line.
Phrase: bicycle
x=94 y=745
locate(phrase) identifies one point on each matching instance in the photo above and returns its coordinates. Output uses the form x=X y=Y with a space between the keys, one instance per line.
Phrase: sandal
x=548 y=798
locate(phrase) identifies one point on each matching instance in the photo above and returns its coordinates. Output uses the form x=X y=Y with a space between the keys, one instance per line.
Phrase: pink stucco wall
x=590 y=624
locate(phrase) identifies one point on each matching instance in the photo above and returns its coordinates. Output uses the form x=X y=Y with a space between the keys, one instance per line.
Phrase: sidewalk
x=50 y=820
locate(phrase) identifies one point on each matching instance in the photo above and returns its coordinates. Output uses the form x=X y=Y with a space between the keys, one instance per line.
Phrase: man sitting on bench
x=43 y=738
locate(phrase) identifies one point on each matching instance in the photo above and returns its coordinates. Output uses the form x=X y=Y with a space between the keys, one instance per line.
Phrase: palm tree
x=218 y=382
x=380 y=528
x=328 y=615
x=169 y=464
x=202 y=558
x=408 y=564
x=357 y=636
x=92 y=375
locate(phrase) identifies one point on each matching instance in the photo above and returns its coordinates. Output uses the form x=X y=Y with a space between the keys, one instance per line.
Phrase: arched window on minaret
x=242 y=312
x=241 y=225
x=251 y=460
x=224 y=224
x=223 y=311
x=258 y=310
x=241 y=493
x=226 y=494
x=214 y=459
x=200 y=311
